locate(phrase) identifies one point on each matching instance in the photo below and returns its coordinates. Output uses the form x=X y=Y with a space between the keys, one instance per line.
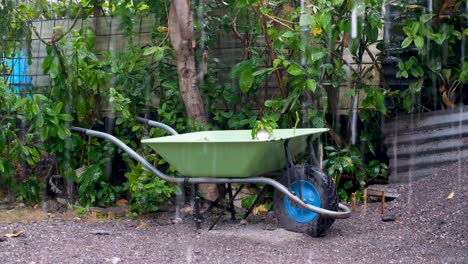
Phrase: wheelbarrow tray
x=230 y=153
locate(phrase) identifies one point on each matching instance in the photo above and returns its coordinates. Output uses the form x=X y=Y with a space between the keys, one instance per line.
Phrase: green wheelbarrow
x=305 y=199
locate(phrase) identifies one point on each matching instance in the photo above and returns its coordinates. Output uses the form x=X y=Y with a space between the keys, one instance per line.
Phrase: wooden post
x=353 y=202
x=364 y=197
x=382 y=205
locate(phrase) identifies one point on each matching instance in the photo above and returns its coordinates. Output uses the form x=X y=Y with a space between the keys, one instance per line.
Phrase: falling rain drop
x=460 y=121
x=303 y=35
x=354 y=23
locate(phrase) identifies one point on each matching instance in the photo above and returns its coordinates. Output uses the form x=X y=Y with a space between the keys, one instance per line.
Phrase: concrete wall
x=419 y=144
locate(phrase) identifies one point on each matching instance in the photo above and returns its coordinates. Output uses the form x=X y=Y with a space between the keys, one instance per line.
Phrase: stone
x=388 y=217
x=177 y=221
x=101 y=232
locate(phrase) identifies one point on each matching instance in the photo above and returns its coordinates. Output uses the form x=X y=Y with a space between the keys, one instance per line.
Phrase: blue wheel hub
x=309 y=194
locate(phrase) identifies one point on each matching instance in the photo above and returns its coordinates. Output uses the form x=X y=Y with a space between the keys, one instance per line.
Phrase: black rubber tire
x=328 y=196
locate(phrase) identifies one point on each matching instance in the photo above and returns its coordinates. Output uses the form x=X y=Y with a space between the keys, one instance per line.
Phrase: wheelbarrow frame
x=342 y=213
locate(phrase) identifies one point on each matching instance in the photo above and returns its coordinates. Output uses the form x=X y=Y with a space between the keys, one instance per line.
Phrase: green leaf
x=317 y=55
x=61 y=132
x=44 y=134
x=58 y=107
x=239 y=68
x=324 y=19
x=273 y=103
x=338 y=3
x=354 y=45
x=306 y=20
x=425 y=18
x=21 y=102
x=372 y=34
x=456 y=34
x=374 y=99
x=371 y=147
x=288 y=34
x=143 y=7
x=419 y=42
x=2 y=140
x=406 y=42
x=150 y=51
x=295 y=70
x=348 y=185
x=311 y=85
x=416 y=86
x=159 y=54
x=276 y=62
x=39 y=121
x=120 y=121
x=248 y=201
x=246 y=80
x=66 y=117
x=414 y=29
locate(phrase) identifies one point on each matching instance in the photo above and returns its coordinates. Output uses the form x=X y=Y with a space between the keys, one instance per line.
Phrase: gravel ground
x=429 y=228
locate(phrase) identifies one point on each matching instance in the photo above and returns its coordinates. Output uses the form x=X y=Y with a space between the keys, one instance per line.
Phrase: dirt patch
x=429 y=228
x=22 y=215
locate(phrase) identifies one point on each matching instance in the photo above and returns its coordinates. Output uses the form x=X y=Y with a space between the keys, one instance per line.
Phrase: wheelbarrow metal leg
x=198 y=215
x=259 y=196
x=311 y=151
x=230 y=202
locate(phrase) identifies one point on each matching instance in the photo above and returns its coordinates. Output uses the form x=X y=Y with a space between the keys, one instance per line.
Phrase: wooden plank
x=375 y=191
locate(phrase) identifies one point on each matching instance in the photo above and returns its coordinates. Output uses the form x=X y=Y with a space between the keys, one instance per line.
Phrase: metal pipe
x=152 y=123
x=344 y=212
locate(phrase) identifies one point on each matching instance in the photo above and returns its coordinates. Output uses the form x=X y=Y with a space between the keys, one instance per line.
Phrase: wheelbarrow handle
x=78 y=129
x=152 y=123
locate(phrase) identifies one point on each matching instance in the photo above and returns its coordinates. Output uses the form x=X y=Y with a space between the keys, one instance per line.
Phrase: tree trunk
x=180 y=28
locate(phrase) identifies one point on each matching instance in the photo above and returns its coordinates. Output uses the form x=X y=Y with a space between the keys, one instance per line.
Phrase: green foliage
x=94 y=189
x=30 y=125
x=339 y=162
x=29 y=191
x=303 y=51
x=266 y=123
x=248 y=201
x=437 y=38
x=147 y=190
x=347 y=164
x=84 y=86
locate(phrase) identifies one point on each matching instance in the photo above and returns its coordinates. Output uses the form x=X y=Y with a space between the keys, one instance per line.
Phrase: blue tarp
x=19 y=78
